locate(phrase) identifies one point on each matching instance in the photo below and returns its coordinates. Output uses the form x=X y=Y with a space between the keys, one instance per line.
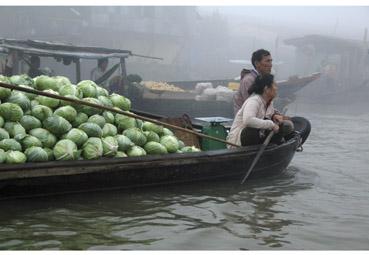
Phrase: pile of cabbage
x=36 y=128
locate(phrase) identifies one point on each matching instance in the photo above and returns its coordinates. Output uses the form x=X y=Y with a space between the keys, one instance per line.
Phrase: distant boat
x=172 y=103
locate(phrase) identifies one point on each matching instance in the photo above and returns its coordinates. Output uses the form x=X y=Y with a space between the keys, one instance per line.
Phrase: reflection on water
x=159 y=218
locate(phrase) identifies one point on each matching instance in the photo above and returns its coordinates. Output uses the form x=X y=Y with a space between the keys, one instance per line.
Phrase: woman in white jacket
x=257 y=114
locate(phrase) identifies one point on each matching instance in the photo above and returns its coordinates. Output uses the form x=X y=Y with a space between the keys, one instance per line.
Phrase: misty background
x=210 y=42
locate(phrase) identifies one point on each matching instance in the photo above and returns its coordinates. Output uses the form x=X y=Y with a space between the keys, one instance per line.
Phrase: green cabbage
x=109 y=130
x=10 y=144
x=15 y=157
x=155 y=148
x=41 y=112
x=136 y=136
x=76 y=135
x=92 y=148
x=65 y=150
x=88 y=88
x=48 y=139
x=136 y=151
x=81 y=118
x=67 y=112
x=36 y=154
x=49 y=101
x=30 y=122
x=57 y=125
x=97 y=119
x=11 y=112
x=110 y=146
x=170 y=142
x=91 y=129
x=124 y=143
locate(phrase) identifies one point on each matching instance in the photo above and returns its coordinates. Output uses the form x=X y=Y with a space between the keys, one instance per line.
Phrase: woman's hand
x=275 y=128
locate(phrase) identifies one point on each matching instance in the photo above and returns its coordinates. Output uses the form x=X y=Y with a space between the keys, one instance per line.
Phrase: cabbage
x=4 y=93
x=170 y=143
x=109 y=117
x=88 y=88
x=110 y=146
x=49 y=101
x=105 y=101
x=48 y=139
x=92 y=148
x=10 y=144
x=15 y=157
x=19 y=98
x=34 y=103
x=120 y=154
x=50 y=154
x=124 y=143
x=149 y=126
x=155 y=148
x=181 y=144
x=65 y=150
x=11 y=112
x=101 y=91
x=123 y=122
x=109 y=130
x=14 y=129
x=97 y=119
x=67 y=112
x=57 y=125
x=44 y=82
x=22 y=79
x=76 y=135
x=136 y=151
x=61 y=81
x=41 y=112
x=2 y=155
x=76 y=106
x=91 y=110
x=30 y=96
x=30 y=122
x=121 y=102
x=136 y=136
x=4 y=134
x=71 y=90
x=91 y=129
x=81 y=118
x=36 y=154
x=167 y=131
x=152 y=136
x=28 y=141
x=1 y=121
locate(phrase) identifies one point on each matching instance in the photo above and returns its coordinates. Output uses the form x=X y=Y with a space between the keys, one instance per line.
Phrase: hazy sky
x=341 y=21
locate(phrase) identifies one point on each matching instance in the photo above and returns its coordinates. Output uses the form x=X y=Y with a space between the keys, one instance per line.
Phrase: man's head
x=262 y=61
x=102 y=63
x=35 y=61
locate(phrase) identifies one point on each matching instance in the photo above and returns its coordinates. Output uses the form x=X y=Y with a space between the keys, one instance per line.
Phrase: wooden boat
x=171 y=103
x=60 y=177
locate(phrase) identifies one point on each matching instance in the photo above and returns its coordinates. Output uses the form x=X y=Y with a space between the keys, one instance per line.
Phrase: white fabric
x=251 y=114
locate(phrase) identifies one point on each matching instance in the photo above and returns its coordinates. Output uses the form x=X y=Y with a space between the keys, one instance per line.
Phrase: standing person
x=10 y=63
x=262 y=62
x=97 y=72
x=34 y=69
x=257 y=114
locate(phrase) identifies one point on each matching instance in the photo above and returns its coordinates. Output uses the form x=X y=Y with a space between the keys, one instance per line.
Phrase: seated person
x=34 y=69
x=97 y=72
x=257 y=115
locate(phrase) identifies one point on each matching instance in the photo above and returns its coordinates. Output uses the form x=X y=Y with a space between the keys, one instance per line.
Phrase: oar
x=76 y=101
x=261 y=150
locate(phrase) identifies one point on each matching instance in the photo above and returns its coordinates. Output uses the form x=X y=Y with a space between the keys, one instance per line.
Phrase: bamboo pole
x=129 y=114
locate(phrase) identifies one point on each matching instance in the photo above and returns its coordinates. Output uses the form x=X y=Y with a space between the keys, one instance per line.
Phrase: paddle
x=261 y=150
x=129 y=114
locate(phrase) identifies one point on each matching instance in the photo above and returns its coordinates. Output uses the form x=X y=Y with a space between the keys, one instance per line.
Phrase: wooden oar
x=261 y=150
x=129 y=114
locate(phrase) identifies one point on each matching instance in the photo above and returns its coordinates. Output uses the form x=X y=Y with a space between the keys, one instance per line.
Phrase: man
x=262 y=62
x=34 y=69
x=100 y=70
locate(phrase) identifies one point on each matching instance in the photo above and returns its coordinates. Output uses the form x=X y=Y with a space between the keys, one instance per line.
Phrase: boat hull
x=42 y=179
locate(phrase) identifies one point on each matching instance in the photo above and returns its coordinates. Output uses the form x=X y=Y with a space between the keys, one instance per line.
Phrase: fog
x=208 y=42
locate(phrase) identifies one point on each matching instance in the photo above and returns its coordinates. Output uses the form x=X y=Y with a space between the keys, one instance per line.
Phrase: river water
x=320 y=202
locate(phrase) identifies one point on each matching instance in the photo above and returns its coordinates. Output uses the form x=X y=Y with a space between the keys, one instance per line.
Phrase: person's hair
x=258 y=56
x=260 y=83
x=100 y=61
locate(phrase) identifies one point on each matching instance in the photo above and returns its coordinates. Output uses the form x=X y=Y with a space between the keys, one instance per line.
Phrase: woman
x=257 y=114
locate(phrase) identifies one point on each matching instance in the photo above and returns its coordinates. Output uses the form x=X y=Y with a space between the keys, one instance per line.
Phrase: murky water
x=320 y=202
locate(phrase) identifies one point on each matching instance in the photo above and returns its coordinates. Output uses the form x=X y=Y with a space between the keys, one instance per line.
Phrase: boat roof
x=56 y=49
x=326 y=43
